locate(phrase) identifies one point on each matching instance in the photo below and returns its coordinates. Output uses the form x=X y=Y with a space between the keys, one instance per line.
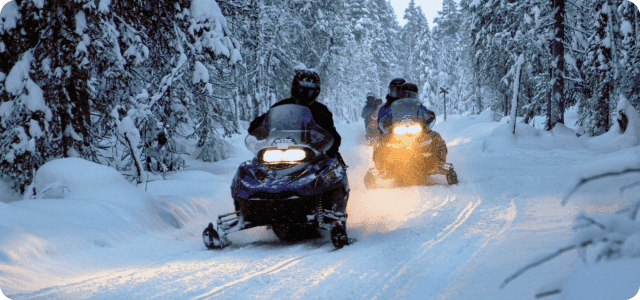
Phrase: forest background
x=125 y=83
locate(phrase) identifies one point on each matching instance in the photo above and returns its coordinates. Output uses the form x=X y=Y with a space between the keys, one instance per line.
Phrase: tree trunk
x=614 y=56
x=136 y=158
x=602 y=121
x=516 y=89
x=558 y=67
x=549 y=105
x=506 y=104
x=445 y=106
x=479 y=98
x=637 y=18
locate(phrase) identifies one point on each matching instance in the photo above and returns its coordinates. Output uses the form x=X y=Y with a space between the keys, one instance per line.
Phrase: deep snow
x=90 y=234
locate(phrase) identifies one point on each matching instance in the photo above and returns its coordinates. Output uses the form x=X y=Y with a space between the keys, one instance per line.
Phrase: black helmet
x=306 y=86
x=409 y=90
x=394 y=88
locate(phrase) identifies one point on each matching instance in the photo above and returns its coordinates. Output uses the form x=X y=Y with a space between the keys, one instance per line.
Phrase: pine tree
x=449 y=61
x=413 y=36
x=595 y=111
x=49 y=87
x=384 y=41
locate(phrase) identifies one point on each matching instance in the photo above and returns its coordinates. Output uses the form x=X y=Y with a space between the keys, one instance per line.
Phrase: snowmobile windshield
x=289 y=125
x=408 y=111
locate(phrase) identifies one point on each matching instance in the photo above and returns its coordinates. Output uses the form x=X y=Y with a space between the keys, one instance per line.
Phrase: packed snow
x=84 y=232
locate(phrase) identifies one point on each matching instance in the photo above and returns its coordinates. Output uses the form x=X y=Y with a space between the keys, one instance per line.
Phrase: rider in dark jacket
x=395 y=93
x=305 y=88
x=370 y=116
x=369 y=108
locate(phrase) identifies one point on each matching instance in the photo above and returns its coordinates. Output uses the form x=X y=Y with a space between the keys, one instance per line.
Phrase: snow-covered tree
x=415 y=38
x=451 y=68
x=600 y=73
x=49 y=85
x=83 y=59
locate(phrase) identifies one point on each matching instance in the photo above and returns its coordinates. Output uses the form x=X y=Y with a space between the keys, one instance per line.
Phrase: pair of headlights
x=402 y=130
x=296 y=155
x=284 y=156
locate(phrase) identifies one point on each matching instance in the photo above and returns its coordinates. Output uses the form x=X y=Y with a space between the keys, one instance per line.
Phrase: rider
x=369 y=108
x=305 y=88
x=385 y=113
x=395 y=93
x=437 y=149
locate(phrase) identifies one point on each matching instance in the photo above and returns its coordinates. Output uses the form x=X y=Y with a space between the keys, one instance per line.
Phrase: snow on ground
x=89 y=234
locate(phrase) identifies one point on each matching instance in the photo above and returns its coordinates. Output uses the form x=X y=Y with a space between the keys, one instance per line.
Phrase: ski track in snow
x=413 y=243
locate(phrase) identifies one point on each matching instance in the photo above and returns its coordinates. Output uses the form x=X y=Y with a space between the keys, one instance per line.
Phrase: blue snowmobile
x=408 y=152
x=290 y=185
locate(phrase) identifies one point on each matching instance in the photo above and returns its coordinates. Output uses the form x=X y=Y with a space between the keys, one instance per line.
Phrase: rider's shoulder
x=284 y=101
x=319 y=106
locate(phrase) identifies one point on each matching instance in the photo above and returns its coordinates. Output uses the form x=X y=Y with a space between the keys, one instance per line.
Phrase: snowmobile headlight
x=291 y=155
x=400 y=130
x=413 y=129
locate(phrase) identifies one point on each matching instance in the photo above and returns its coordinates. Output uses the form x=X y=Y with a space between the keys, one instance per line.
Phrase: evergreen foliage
x=126 y=83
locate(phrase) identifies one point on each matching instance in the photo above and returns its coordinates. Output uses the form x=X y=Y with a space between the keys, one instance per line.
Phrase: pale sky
x=429 y=8
x=3 y=2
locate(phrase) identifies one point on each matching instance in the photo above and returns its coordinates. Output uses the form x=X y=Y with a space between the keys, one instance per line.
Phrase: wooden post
x=444 y=92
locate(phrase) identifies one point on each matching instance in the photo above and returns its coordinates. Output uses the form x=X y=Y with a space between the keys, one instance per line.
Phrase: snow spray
x=2 y=296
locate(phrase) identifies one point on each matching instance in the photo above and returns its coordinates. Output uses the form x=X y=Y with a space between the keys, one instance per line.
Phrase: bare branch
x=592 y=221
x=584 y=181
x=576 y=29
x=634 y=214
x=548 y=293
x=577 y=80
x=539 y=262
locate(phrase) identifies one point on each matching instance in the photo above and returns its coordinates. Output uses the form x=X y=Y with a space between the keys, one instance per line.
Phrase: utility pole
x=444 y=92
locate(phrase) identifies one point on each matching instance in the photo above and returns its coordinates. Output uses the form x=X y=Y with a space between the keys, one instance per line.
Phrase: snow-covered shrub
x=606 y=237
x=129 y=136
x=216 y=151
x=142 y=144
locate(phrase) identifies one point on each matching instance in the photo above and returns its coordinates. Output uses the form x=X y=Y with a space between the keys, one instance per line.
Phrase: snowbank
x=77 y=204
x=74 y=178
x=618 y=137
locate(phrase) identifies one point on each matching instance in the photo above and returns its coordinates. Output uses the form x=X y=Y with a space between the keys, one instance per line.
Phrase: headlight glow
x=400 y=130
x=290 y=155
x=413 y=129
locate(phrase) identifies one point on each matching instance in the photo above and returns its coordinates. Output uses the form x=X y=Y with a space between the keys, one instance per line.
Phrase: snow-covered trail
x=438 y=242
